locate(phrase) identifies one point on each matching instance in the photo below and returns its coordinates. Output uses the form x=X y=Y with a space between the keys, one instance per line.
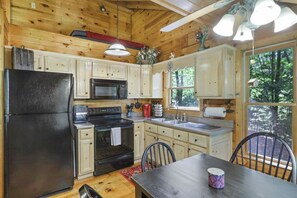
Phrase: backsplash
x=112 y=103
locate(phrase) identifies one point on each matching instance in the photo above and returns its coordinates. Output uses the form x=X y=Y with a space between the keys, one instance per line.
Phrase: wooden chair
x=268 y=153
x=156 y=155
x=87 y=192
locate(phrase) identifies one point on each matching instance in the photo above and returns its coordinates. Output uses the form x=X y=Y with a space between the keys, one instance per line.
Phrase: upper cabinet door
x=38 y=62
x=208 y=73
x=134 y=81
x=146 y=75
x=83 y=75
x=100 y=70
x=58 y=64
x=118 y=71
x=157 y=85
x=215 y=73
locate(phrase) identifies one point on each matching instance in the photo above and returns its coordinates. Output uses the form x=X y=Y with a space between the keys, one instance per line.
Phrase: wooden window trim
x=292 y=44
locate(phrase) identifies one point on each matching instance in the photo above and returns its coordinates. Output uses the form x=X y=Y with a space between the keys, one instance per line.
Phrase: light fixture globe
x=265 y=11
x=117 y=49
x=225 y=25
x=286 y=19
x=243 y=33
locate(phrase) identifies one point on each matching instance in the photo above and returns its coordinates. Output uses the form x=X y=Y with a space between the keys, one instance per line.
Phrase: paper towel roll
x=215 y=112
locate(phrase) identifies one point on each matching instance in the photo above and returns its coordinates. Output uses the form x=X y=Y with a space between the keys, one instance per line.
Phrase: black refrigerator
x=39 y=136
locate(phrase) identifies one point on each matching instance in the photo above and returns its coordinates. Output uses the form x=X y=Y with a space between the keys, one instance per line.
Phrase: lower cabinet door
x=137 y=141
x=86 y=156
x=195 y=150
x=150 y=138
x=180 y=150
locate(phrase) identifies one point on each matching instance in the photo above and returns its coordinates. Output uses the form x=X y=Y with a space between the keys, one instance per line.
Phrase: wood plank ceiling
x=186 y=7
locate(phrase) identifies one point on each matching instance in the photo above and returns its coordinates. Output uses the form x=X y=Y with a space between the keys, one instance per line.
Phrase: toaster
x=80 y=114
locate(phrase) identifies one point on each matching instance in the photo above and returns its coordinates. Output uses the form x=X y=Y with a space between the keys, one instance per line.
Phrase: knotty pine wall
x=64 y=16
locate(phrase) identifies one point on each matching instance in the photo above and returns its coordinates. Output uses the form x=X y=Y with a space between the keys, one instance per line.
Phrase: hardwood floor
x=111 y=185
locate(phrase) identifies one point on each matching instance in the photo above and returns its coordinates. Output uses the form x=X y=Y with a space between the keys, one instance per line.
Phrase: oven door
x=103 y=147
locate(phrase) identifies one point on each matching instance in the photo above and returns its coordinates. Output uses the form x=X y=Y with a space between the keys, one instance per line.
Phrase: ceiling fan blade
x=288 y=1
x=195 y=15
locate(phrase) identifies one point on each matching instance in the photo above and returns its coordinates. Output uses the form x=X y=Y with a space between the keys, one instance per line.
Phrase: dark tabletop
x=189 y=178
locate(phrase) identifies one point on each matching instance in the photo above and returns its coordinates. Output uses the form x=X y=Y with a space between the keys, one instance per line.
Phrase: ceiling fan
x=204 y=11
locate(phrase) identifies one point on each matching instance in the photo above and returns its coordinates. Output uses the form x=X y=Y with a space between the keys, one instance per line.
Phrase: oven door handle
x=109 y=129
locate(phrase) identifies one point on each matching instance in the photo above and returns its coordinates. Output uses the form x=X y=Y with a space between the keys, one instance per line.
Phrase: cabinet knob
x=129 y=93
x=138 y=127
x=46 y=68
x=195 y=92
x=141 y=93
x=149 y=127
x=87 y=134
x=111 y=74
x=189 y=149
x=178 y=135
x=163 y=131
x=107 y=74
x=86 y=92
x=91 y=143
x=173 y=144
x=195 y=140
x=39 y=67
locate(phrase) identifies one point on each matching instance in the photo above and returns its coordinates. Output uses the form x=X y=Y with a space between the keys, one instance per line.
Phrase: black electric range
x=107 y=156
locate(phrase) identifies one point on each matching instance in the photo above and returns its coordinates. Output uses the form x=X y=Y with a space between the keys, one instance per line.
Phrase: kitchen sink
x=197 y=126
x=185 y=124
x=167 y=121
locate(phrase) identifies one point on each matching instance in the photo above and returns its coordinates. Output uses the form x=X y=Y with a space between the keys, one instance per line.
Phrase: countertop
x=84 y=125
x=225 y=126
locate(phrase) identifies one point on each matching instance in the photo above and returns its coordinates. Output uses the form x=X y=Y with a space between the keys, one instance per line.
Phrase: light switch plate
x=33 y=5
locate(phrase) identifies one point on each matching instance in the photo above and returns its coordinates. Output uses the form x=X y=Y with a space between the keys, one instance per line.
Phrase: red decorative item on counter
x=147 y=110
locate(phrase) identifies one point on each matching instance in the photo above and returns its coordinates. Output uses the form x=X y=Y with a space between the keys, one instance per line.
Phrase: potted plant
x=147 y=56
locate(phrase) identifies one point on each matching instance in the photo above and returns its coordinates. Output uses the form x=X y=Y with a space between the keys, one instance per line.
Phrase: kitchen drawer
x=138 y=126
x=151 y=128
x=86 y=133
x=199 y=140
x=180 y=135
x=165 y=131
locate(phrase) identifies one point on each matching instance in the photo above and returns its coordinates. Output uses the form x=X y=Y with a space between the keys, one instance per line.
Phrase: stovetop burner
x=107 y=117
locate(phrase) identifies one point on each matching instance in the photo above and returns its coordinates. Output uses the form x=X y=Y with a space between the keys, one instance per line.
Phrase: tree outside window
x=182 y=88
x=271 y=90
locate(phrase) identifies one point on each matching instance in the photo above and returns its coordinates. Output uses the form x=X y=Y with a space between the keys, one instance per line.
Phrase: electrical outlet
x=33 y=5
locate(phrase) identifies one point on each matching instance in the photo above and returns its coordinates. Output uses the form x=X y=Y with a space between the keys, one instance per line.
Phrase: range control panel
x=104 y=111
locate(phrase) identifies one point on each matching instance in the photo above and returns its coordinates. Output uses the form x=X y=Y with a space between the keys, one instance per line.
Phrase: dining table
x=188 y=178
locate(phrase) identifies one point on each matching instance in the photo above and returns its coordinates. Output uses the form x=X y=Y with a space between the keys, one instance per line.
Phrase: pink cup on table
x=216 y=178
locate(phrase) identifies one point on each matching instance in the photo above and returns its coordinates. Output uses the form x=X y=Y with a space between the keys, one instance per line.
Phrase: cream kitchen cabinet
x=150 y=138
x=157 y=85
x=215 y=73
x=38 y=61
x=82 y=78
x=134 y=81
x=59 y=63
x=146 y=81
x=195 y=150
x=117 y=71
x=180 y=149
x=138 y=140
x=186 y=144
x=85 y=151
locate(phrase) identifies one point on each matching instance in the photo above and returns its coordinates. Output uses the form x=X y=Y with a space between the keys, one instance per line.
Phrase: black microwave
x=108 y=89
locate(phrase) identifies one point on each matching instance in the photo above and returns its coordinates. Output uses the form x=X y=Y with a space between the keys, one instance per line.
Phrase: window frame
x=170 y=88
x=293 y=105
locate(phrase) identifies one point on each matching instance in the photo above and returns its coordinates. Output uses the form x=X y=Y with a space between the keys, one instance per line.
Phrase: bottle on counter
x=184 y=117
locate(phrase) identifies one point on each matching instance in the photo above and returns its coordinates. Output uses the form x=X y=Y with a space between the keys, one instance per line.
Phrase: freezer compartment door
x=38 y=155
x=30 y=92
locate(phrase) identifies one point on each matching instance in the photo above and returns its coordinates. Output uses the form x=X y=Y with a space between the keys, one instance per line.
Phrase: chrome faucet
x=177 y=113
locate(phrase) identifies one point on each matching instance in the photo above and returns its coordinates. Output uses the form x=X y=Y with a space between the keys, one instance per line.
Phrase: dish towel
x=115 y=136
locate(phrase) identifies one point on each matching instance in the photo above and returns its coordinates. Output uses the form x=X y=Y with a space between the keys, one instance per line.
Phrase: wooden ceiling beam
x=141 y=5
x=171 y=7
